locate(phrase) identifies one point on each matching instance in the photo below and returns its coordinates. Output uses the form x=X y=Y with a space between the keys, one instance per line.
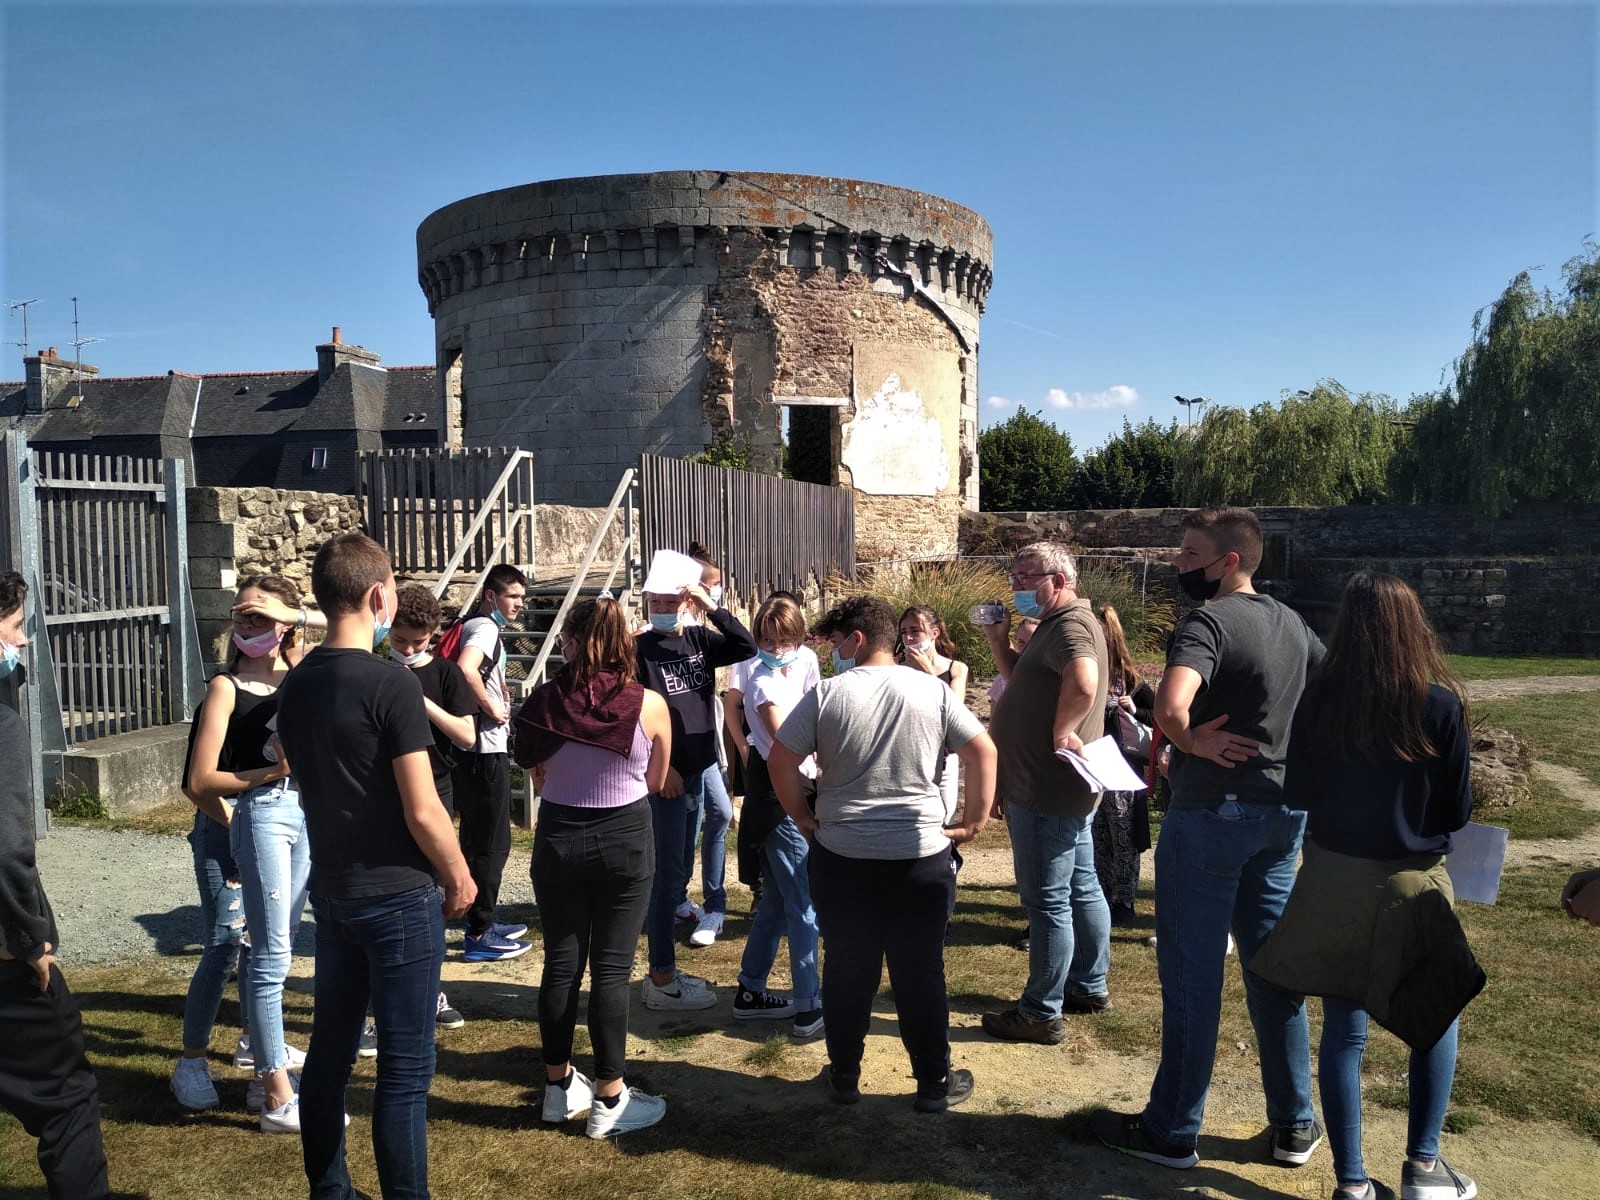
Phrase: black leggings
x=592 y=869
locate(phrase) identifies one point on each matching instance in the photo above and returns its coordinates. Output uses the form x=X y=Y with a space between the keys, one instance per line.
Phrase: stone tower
x=590 y=320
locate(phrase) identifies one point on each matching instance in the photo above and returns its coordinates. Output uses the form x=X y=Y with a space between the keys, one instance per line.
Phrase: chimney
x=49 y=376
x=334 y=351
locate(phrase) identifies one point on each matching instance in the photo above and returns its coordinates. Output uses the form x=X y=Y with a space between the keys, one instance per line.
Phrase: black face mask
x=1196 y=586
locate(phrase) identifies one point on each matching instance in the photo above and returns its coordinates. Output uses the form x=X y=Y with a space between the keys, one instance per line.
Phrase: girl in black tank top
x=229 y=754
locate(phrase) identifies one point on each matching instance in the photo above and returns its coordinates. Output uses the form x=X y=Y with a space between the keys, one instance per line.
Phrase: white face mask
x=409 y=660
x=716 y=595
x=924 y=647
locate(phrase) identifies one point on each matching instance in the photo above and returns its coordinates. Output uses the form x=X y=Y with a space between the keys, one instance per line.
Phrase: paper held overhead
x=671 y=572
x=1104 y=768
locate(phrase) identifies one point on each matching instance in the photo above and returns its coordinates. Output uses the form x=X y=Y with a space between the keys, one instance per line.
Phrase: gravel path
x=121 y=896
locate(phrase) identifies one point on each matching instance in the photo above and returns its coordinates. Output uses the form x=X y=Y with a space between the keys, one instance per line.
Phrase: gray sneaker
x=1375 y=1191
x=1439 y=1182
x=192 y=1085
x=1294 y=1147
x=684 y=992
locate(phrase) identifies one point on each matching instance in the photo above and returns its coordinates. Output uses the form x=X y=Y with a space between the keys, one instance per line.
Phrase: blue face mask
x=498 y=617
x=9 y=658
x=841 y=665
x=777 y=661
x=666 y=623
x=716 y=595
x=1027 y=603
x=381 y=629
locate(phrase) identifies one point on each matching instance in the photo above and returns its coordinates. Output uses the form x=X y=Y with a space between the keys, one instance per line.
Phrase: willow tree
x=1325 y=447
x=1215 y=461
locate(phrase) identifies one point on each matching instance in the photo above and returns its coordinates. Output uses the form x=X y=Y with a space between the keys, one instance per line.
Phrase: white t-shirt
x=483 y=635
x=739 y=681
x=880 y=735
x=783 y=689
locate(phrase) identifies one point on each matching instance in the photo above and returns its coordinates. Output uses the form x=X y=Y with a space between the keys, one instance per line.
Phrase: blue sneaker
x=507 y=930
x=490 y=947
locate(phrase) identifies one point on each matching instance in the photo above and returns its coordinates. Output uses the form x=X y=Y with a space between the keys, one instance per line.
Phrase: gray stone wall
x=599 y=318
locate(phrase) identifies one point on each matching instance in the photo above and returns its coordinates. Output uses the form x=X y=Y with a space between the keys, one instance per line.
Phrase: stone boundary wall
x=237 y=532
x=1524 y=584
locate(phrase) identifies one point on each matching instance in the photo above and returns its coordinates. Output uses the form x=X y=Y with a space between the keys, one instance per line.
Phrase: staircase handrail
x=492 y=560
x=476 y=527
x=536 y=675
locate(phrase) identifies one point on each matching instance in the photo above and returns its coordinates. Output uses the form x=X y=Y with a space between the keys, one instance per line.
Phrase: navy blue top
x=1386 y=809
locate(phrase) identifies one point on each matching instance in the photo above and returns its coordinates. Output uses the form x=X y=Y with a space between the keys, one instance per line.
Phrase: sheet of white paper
x=1104 y=767
x=1477 y=854
x=670 y=572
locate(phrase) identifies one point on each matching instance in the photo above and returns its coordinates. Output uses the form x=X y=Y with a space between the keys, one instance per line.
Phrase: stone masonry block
x=214 y=541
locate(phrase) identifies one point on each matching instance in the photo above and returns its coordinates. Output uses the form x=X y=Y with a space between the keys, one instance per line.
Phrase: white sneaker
x=562 y=1104
x=684 y=992
x=192 y=1085
x=367 y=1047
x=285 y=1119
x=255 y=1096
x=689 y=911
x=706 y=929
x=244 y=1058
x=635 y=1110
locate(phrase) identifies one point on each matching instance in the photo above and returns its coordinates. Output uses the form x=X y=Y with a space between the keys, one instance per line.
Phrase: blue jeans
x=222 y=913
x=708 y=795
x=1069 y=924
x=1226 y=867
x=1344 y=1040
x=274 y=856
x=785 y=907
x=667 y=817
x=385 y=951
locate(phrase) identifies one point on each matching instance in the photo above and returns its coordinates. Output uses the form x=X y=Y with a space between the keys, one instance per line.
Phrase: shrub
x=80 y=806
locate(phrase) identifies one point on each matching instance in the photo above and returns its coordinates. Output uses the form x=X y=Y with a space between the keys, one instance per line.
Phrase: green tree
x=1215 y=462
x=1132 y=470
x=1025 y=464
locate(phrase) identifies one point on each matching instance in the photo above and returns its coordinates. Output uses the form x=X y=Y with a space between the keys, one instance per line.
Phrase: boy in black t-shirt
x=356 y=730
x=450 y=705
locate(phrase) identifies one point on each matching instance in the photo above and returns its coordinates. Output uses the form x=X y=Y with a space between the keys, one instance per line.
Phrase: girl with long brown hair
x=1121 y=824
x=248 y=824
x=596 y=743
x=1380 y=758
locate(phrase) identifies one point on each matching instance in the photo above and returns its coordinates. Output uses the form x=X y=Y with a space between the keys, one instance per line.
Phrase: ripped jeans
x=222 y=912
x=274 y=856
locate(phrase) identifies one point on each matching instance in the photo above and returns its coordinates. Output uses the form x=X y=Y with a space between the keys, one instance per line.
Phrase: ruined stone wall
x=237 y=532
x=1523 y=584
x=595 y=319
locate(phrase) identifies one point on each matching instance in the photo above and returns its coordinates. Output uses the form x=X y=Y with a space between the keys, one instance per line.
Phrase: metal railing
x=438 y=511
x=766 y=533
x=102 y=543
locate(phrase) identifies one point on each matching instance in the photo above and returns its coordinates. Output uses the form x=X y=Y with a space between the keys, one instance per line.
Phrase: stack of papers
x=1103 y=766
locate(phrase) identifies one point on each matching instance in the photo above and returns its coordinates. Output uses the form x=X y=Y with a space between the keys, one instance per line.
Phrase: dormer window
x=319 y=458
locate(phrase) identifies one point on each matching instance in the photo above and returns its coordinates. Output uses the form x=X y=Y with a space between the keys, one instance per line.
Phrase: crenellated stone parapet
x=643 y=223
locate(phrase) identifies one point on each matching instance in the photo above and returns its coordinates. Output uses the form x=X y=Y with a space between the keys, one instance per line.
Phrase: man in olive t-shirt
x=1055 y=699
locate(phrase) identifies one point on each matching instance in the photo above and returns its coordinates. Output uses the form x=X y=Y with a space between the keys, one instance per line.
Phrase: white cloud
x=1117 y=396
x=997 y=402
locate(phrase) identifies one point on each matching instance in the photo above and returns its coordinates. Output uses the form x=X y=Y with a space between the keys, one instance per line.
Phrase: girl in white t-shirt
x=786 y=671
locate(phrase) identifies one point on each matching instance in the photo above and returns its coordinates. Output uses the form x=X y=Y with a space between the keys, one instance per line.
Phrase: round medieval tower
x=590 y=320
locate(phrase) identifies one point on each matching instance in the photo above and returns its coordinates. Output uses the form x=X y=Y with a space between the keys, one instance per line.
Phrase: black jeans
x=46 y=1081
x=870 y=909
x=592 y=871
x=482 y=788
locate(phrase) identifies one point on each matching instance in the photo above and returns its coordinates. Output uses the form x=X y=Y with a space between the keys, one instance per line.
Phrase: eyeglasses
x=1031 y=575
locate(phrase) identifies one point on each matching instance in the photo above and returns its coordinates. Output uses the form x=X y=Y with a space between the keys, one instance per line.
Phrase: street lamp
x=1189 y=402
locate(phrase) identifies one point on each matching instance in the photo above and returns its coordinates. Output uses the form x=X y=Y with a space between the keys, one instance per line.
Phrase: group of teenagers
x=321 y=774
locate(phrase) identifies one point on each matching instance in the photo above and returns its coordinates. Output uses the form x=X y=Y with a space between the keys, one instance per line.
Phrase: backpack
x=449 y=646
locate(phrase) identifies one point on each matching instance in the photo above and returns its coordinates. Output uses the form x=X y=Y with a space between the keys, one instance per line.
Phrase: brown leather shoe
x=1012 y=1026
x=1076 y=1002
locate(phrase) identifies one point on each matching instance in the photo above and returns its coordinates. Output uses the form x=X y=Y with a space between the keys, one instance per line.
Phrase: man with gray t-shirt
x=881 y=872
x=1225 y=861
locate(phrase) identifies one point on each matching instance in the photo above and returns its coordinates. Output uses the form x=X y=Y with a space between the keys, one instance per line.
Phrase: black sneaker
x=761 y=1006
x=1126 y=1133
x=956 y=1088
x=1294 y=1147
x=1375 y=1191
x=842 y=1088
x=1085 y=1005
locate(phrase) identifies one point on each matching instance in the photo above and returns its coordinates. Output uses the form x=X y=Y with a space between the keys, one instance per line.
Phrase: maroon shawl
x=600 y=713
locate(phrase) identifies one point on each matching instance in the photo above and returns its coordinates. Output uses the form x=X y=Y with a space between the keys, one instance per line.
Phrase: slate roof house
x=282 y=429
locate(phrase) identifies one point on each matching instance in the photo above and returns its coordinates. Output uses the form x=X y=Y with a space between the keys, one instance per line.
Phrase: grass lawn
x=1560 y=729
x=1494 y=666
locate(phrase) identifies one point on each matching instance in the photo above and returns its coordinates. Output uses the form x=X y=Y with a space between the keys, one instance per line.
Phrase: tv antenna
x=15 y=305
x=78 y=343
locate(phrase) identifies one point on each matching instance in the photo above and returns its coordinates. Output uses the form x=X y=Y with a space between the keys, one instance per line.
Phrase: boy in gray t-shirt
x=881 y=871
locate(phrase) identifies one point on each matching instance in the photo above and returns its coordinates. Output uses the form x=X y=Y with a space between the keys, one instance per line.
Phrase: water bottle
x=987 y=614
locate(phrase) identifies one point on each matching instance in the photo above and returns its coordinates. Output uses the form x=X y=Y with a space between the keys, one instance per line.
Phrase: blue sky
x=1227 y=200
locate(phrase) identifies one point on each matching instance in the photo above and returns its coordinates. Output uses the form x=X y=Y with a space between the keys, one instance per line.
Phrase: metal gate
x=102 y=543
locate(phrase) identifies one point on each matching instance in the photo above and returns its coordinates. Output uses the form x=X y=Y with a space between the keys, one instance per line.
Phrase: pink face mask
x=259 y=646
